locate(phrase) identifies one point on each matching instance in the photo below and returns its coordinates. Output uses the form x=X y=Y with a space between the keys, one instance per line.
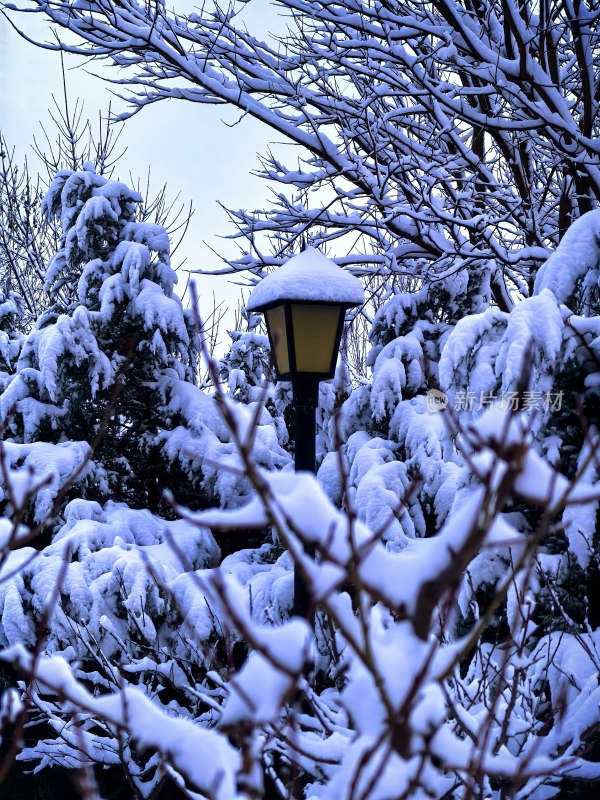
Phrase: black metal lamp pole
x=306 y=397
x=304 y=303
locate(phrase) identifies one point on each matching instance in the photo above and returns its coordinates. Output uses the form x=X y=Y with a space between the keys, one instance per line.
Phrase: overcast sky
x=185 y=144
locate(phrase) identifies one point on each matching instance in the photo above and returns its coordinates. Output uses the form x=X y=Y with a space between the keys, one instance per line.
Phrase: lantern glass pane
x=315 y=333
x=278 y=333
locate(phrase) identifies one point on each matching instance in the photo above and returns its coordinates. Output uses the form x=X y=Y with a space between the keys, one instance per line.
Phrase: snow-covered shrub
x=385 y=698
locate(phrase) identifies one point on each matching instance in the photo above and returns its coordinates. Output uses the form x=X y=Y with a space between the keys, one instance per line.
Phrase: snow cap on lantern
x=304 y=303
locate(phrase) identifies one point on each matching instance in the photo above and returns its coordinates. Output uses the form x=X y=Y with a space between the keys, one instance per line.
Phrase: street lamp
x=305 y=303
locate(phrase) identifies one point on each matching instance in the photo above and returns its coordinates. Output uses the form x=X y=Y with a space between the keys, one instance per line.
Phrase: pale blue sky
x=185 y=144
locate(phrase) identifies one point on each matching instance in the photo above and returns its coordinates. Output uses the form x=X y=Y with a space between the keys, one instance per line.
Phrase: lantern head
x=305 y=303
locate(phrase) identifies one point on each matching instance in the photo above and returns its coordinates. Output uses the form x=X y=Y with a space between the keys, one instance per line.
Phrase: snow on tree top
x=309 y=277
x=577 y=258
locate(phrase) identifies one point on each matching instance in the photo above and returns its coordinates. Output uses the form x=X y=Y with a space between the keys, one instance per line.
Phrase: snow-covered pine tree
x=97 y=364
x=113 y=361
x=246 y=365
x=398 y=455
x=543 y=358
x=246 y=373
x=11 y=337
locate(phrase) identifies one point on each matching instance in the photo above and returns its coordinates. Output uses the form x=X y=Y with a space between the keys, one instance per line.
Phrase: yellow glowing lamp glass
x=315 y=333
x=305 y=338
x=278 y=337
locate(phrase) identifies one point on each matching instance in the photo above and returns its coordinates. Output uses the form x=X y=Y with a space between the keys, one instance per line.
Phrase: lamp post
x=305 y=303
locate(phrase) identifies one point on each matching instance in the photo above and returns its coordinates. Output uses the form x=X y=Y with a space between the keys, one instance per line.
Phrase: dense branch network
x=440 y=135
